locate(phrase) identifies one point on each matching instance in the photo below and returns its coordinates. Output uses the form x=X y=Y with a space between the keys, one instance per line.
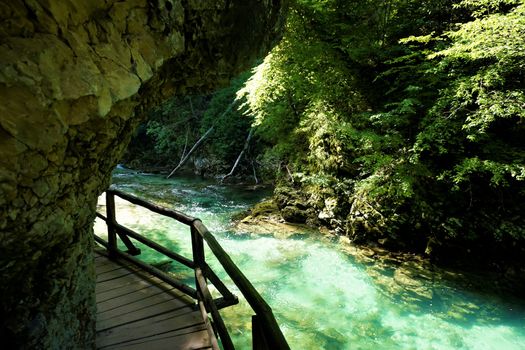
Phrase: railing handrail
x=263 y=312
x=174 y=214
x=252 y=296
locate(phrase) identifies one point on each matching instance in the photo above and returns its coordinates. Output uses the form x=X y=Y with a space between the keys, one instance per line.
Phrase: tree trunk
x=246 y=144
x=195 y=146
x=198 y=143
x=255 y=173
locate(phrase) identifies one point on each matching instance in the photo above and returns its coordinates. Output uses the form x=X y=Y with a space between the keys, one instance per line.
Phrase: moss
x=264 y=208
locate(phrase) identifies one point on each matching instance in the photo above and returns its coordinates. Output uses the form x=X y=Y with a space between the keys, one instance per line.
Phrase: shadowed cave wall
x=75 y=78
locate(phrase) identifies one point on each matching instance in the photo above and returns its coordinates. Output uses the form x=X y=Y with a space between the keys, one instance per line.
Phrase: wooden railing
x=266 y=333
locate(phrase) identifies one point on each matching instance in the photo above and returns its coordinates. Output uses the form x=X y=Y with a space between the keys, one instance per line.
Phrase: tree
x=411 y=123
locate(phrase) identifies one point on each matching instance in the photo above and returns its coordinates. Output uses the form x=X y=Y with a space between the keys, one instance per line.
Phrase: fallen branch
x=185 y=143
x=198 y=143
x=255 y=173
x=289 y=173
x=195 y=146
x=246 y=144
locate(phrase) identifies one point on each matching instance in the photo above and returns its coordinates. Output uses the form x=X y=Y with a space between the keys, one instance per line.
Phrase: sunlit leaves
x=420 y=104
x=485 y=65
x=480 y=8
x=497 y=37
x=498 y=173
x=303 y=87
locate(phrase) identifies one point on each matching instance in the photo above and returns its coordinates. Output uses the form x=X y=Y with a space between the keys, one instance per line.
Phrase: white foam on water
x=428 y=331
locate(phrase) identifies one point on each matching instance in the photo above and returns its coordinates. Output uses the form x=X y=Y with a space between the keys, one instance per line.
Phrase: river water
x=322 y=295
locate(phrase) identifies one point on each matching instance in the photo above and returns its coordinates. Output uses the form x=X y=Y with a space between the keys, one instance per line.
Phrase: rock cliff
x=75 y=76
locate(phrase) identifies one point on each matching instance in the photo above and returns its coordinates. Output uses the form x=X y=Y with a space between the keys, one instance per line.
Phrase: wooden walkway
x=142 y=307
x=139 y=311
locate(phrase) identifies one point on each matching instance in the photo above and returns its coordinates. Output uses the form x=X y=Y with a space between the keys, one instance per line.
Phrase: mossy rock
x=264 y=208
x=294 y=214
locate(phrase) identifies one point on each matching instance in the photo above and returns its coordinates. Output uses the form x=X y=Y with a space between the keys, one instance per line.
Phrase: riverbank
x=283 y=215
x=408 y=269
x=190 y=170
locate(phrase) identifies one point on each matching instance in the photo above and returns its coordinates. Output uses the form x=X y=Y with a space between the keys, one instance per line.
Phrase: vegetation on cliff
x=395 y=122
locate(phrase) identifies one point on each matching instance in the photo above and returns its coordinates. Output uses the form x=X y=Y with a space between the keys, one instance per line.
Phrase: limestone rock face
x=75 y=76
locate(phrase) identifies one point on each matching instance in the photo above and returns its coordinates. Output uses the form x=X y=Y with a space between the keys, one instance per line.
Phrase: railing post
x=111 y=221
x=197 y=245
x=259 y=341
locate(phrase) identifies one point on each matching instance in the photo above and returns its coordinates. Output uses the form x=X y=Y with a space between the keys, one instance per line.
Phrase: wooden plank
x=107 y=286
x=103 y=265
x=137 y=276
x=135 y=296
x=106 y=268
x=123 y=279
x=191 y=338
x=103 y=272
x=119 y=316
x=156 y=272
x=114 y=274
x=146 y=305
x=102 y=261
x=101 y=252
x=123 y=321
x=101 y=268
x=102 y=257
x=130 y=283
x=137 y=310
x=124 y=290
x=99 y=257
x=150 y=327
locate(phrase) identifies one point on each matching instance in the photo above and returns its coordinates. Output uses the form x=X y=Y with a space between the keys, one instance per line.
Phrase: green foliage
x=399 y=119
x=169 y=124
x=484 y=103
x=480 y=8
x=420 y=104
x=499 y=172
x=302 y=85
x=231 y=128
x=173 y=128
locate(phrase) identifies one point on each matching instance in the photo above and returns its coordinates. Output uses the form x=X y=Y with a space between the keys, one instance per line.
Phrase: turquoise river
x=325 y=295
